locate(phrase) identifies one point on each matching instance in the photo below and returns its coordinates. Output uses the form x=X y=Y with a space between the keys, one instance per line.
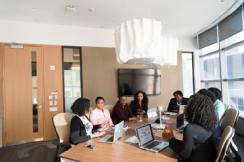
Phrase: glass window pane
x=72 y=76
x=236 y=94
x=188 y=74
x=34 y=91
x=235 y=62
x=206 y=84
x=210 y=67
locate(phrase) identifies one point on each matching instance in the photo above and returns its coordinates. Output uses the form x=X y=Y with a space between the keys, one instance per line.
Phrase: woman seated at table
x=81 y=129
x=218 y=104
x=139 y=104
x=121 y=111
x=217 y=131
x=100 y=115
x=197 y=144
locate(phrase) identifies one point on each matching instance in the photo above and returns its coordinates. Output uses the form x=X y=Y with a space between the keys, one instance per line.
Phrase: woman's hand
x=104 y=126
x=132 y=118
x=97 y=134
x=167 y=133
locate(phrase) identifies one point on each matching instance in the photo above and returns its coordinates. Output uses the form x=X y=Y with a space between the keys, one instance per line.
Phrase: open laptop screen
x=144 y=134
x=180 y=121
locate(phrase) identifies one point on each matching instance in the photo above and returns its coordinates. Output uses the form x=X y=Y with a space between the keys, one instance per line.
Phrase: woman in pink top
x=100 y=115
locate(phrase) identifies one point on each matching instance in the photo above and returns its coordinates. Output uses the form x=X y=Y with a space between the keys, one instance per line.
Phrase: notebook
x=146 y=139
x=118 y=130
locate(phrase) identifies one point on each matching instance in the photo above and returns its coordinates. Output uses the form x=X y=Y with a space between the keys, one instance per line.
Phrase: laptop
x=180 y=124
x=118 y=130
x=146 y=139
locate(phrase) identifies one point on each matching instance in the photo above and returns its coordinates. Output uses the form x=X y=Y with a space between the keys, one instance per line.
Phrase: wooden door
x=23 y=86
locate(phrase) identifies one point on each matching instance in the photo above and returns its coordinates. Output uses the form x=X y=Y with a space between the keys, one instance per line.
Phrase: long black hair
x=200 y=111
x=144 y=100
x=216 y=92
x=80 y=106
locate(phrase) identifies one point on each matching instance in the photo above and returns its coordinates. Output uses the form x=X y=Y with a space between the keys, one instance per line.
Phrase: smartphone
x=90 y=147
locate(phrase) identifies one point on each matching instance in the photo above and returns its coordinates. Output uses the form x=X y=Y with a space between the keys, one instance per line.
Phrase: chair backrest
x=62 y=125
x=109 y=107
x=229 y=118
x=224 y=143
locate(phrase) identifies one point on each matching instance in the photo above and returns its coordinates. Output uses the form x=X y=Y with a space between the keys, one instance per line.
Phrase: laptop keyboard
x=153 y=144
x=110 y=139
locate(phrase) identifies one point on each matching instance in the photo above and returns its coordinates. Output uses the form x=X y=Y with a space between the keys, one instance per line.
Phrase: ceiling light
x=70 y=8
x=91 y=9
x=140 y=42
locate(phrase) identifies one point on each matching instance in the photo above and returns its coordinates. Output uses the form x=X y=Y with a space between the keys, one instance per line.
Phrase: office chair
x=229 y=118
x=62 y=125
x=224 y=143
x=109 y=107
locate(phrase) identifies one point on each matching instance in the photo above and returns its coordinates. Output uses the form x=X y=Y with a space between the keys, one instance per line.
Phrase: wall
x=53 y=82
x=100 y=76
x=1 y=91
x=40 y=33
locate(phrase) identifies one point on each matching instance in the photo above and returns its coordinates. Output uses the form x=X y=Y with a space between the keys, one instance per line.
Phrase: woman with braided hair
x=197 y=144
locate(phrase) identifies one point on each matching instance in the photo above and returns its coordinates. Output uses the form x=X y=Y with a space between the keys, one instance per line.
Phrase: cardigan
x=78 y=132
x=197 y=145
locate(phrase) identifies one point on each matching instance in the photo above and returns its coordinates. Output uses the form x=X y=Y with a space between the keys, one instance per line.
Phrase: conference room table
x=121 y=151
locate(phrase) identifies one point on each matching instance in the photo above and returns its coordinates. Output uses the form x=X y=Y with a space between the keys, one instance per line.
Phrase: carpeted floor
x=31 y=152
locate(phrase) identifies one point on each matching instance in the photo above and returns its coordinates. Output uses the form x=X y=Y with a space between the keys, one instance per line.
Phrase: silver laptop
x=118 y=130
x=146 y=139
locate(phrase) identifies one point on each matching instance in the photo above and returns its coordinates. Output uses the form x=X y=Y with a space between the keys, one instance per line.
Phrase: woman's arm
x=77 y=131
x=184 y=148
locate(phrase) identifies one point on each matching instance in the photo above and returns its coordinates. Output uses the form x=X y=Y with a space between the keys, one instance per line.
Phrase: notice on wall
x=52 y=67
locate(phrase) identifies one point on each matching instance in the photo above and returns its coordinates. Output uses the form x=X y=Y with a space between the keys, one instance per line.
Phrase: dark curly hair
x=80 y=106
x=216 y=92
x=200 y=111
x=144 y=100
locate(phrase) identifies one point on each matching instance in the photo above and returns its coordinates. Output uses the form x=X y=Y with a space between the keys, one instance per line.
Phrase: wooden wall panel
x=1 y=78
x=1 y=93
x=99 y=66
x=53 y=82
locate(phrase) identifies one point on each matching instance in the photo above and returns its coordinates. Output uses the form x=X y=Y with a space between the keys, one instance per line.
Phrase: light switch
x=53 y=109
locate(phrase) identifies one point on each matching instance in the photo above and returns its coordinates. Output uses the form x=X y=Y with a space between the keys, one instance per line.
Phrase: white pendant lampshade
x=140 y=42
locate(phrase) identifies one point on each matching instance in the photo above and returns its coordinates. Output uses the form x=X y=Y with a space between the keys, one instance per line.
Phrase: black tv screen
x=132 y=80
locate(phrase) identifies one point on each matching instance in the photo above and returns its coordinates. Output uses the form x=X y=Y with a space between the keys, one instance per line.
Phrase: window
x=233 y=75
x=72 y=75
x=187 y=71
x=210 y=67
x=222 y=63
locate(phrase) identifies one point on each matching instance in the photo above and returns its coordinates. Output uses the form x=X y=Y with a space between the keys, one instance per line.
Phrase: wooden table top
x=121 y=151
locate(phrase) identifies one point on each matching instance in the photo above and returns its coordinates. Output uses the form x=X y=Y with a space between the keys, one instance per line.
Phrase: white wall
x=37 y=33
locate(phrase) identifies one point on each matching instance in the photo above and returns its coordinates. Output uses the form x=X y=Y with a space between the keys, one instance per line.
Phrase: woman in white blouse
x=81 y=129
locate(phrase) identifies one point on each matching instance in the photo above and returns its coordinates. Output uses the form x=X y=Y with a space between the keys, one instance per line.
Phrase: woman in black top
x=197 y=144
x=81 y=129
x=140 y=103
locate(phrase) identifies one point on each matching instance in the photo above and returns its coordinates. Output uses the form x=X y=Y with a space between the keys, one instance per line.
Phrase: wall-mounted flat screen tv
x=132 y=80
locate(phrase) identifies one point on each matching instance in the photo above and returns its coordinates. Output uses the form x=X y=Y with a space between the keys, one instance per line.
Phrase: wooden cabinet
x=31 y=87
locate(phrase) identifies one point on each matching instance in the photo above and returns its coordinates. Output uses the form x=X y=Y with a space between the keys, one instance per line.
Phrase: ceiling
x=178 y=17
